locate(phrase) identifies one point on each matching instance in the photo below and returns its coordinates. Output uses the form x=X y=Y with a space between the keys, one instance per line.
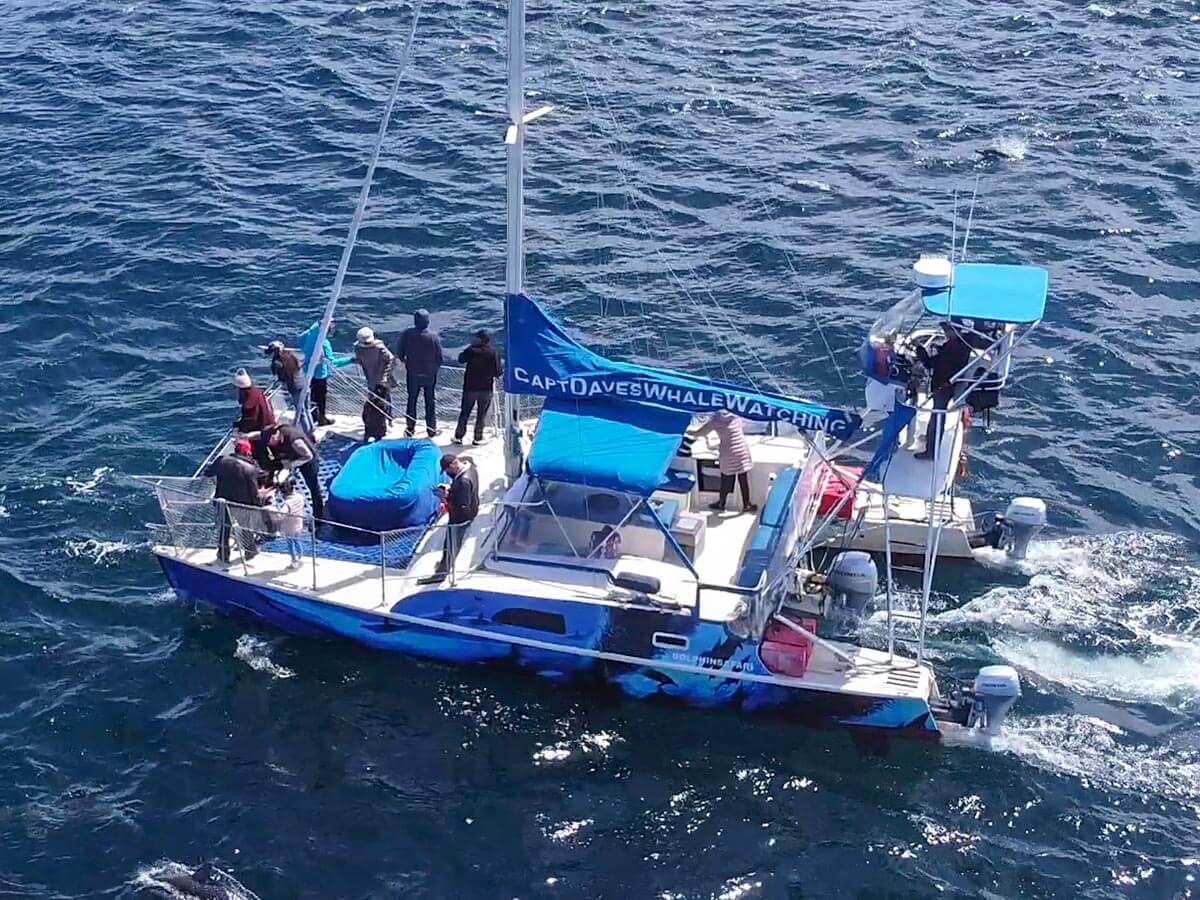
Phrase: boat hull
x=596 y=647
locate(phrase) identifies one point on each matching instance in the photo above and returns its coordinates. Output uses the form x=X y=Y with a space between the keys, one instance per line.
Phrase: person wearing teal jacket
x=319 y=391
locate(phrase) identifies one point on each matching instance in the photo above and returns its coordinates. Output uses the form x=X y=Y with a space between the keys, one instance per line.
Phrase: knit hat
x=241 y=379
x=241 y=445
x=274 y=347
x=365 y=336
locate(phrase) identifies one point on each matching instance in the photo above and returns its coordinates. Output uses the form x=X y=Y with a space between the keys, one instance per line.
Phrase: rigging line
x=657 y=251
x=787 y=256
x=703 y=286
x=356 y=221
x=646 y=224
x=970 y=219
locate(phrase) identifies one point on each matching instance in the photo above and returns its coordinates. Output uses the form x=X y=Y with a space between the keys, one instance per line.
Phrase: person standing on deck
x=319 y=389
x=733 y=455
x=256 y=414
x=237 y=483
x=420 y=349
x=944 y=363
x=288 y=515
x=462 y=501
x=296 y=450
x=285 y=366
x=376 y=361
x=479 y=383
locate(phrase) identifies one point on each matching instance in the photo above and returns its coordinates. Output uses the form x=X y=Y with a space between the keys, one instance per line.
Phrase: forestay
x=544 y=360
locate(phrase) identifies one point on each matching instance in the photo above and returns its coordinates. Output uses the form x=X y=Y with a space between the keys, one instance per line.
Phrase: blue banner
x=545 y=361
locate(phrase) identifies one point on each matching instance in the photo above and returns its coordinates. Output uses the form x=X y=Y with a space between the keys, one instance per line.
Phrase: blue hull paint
x=568 y=625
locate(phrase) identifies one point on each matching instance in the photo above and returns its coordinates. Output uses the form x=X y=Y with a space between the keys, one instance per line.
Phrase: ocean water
x=733 y=187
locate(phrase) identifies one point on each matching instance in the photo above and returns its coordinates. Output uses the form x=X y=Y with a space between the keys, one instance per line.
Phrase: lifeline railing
x=348 y=396
x=194 y=520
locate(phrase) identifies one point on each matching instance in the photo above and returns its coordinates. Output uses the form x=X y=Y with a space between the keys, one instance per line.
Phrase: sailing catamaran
x=593 y=558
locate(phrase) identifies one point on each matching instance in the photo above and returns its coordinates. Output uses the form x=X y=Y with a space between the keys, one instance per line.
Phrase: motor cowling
x=995 y=691
x=1023 y=519
x=853 y=580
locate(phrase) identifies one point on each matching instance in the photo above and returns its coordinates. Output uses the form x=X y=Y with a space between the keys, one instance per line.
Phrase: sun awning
x=543 y=360
x=1015 y=294
x=610 y=444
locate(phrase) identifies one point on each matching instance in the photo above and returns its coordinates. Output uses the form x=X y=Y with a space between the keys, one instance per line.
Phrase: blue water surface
x=730 y=187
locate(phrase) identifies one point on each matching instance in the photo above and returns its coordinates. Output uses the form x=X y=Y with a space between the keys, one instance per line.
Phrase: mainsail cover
x=545 y=361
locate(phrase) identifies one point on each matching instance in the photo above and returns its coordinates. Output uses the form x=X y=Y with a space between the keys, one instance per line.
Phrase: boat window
x=531 y=618
x=581 y=523
x=668 y=641
x=898 y=320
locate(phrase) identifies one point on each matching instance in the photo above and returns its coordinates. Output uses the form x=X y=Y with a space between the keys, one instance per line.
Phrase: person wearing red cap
x=237 y=483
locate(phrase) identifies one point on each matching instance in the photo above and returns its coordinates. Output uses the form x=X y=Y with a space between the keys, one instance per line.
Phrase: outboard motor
x=996 y=690
x=1023 y=519
x=853 y=580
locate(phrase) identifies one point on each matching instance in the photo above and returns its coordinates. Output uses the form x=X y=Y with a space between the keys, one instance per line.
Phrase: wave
x=256 y=653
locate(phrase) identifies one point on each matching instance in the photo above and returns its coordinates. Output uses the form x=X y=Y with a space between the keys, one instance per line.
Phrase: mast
x=514 y=137
x=363 y=193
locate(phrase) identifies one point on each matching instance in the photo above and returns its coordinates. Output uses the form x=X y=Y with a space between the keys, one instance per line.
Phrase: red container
x=838 y=487
x=784 y=651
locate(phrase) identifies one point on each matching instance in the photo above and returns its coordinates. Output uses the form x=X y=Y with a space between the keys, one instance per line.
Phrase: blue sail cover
x=545 y=361
x=603 y=443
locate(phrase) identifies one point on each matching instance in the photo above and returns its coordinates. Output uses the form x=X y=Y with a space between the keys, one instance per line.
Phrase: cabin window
x=533 y=619
x=668 y=641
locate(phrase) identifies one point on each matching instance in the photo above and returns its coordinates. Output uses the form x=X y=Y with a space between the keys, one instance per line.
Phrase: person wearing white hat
x=256 y=413
x=376 y=361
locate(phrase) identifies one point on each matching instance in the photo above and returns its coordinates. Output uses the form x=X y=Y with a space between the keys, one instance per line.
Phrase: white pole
x=887 y=556
x=363 y=194
x=515 y=139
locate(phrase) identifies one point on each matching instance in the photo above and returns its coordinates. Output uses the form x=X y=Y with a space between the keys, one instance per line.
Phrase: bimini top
x=1015 y=294
x=611 y=444
x=544 y=360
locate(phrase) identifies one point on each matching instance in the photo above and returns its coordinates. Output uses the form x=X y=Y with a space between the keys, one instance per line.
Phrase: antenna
x=970 y=218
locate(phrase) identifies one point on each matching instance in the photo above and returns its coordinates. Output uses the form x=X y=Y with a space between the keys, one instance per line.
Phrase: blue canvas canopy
x=612 y=444
x=545 y=361
x=1015 y=294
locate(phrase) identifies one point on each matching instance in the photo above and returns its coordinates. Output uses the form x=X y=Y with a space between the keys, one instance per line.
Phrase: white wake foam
x=163 y=875
x=256 y=653
x=1093 y=750
x=1133 y=595
x=101 y=553
x=84 y=486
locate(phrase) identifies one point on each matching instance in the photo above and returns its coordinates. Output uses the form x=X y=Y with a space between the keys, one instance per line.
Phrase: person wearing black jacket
x=420 y=349
x=237 y=483
x=462 y=502
x=947 y=361
x=296 y=450
x=479 y=383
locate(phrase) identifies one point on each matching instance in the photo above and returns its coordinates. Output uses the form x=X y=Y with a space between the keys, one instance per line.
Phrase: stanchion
x=312 y=543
